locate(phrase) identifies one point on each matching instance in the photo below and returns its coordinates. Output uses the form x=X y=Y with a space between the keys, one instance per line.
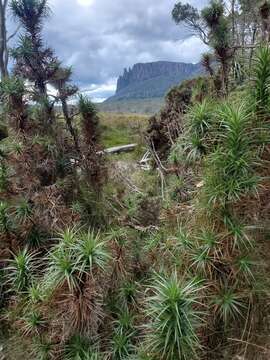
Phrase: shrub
x=261 y=81
x=174 y=318
x=230 y=169
x=20 y=270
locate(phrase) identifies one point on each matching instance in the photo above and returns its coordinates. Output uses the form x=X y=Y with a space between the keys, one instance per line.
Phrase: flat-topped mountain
x=152 y=80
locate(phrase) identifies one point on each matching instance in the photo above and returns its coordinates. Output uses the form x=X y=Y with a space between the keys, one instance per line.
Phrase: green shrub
x=231 y=168
x=20 y=270
x=261 y=80
x=173 y=318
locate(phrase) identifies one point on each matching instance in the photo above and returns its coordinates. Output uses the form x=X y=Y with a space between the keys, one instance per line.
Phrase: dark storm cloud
x=101 y=37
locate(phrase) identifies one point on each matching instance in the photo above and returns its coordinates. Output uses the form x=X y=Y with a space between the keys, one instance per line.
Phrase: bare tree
x=61 y=82
x=190 y=16
x=4 y=39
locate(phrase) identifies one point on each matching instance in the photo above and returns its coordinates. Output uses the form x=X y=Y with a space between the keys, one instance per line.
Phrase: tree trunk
x=3 y=40
x=69 y=124
x=233 y=20
x=254 y=33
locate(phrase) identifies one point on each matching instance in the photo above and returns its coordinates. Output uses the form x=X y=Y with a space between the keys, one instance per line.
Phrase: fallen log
x=120 y=149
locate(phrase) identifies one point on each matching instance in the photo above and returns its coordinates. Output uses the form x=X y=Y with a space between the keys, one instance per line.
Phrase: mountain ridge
x=153 y=79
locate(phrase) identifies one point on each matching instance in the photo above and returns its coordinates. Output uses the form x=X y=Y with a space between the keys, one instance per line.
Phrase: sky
x=99 y=38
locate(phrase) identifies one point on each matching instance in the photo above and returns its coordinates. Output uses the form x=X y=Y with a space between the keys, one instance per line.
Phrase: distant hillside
x=152 y=80
x=138 y=106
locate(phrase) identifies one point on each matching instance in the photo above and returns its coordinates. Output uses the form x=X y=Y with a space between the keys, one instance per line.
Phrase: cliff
x=152 y=80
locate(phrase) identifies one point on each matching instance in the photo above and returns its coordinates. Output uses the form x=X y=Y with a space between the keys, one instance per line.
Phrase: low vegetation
x=101 y=259
x=135 y=106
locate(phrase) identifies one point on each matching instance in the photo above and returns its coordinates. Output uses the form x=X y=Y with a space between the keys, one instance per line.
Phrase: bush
x=174 y=318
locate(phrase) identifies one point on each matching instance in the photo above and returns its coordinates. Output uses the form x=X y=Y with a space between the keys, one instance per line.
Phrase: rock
x=152 y=80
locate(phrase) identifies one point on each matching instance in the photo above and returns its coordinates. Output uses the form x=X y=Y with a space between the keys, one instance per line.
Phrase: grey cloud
x=101 y=39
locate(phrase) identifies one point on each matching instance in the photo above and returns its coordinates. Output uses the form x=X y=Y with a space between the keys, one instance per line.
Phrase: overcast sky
x=101 y=37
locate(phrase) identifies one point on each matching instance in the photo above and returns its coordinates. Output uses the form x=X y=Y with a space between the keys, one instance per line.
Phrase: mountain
x=152 y=80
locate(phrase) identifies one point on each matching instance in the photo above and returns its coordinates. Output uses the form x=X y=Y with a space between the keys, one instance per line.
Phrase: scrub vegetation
x=103 y=259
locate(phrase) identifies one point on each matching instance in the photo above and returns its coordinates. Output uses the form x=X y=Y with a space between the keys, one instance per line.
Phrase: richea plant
x=155 y=254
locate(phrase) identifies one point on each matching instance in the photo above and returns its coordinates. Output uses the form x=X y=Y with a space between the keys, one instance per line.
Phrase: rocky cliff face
x=141 y=72
x=152 y=80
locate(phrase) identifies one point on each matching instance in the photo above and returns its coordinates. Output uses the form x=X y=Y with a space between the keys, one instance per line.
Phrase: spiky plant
x=36 y=236
x=35 y=293
x=219 y=37
x=33 y=323
x=174 y=318
x=184 y=239
x=77 y=254
x=245 y=267
x=261 y=80
x=23 y=212
x=67 y=237
x=127 y=293
x=6 y=223
x=90 y=252
x=62 y=269
x=187 y=150
x=121 y=345
x=75 y=264
x=208 y=252
x=20 y=270
x=12 y=91
x=42 y=349
x=90 y=120
x=237 y=231
x=124 y=322
x=31 y=13
x=207 y=59
x=199 y=125
x=79 y=348
x=118 y=234
x=208 y=240
x=228 y=305
x=230 y=171
x=200 y=117
x=93 y=165
x=3 y=176
x=203 y=262
x=33 y=61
